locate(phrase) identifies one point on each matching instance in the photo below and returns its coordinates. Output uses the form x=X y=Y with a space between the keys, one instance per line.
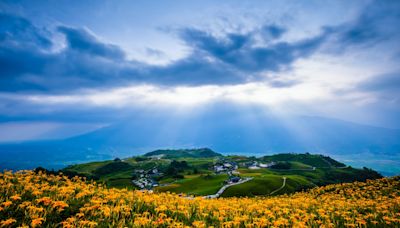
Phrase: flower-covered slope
x=41 y=200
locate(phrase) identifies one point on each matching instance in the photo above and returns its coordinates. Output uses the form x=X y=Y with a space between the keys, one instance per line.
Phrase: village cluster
x=146 y=179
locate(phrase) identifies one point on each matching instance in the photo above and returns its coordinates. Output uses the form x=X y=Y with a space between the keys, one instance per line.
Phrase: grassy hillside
x=196 y=185
x=267 y=184
x=314 y=160
x=42 y=200
x=196 y=173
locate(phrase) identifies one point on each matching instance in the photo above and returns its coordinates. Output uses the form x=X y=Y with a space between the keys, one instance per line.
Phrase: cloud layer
x=87 y=61
x=45 y=69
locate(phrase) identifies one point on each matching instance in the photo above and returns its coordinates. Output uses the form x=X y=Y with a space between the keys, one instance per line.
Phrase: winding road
x=283 y=185
x=223 y=188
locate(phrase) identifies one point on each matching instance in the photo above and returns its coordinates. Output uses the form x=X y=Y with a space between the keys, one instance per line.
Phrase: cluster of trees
x=67 y=173
x=175 y=168
x=281 y=165
x=350 y=174
x=142 y=158
x=112 y=167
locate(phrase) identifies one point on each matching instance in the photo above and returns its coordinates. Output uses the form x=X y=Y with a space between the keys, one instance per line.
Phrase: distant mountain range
x=229 y=134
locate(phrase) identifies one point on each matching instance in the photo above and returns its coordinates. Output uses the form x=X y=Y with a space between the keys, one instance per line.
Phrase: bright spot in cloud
x=256 y=93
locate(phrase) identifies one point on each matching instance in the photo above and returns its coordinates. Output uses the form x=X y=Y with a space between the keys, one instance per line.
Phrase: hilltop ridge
x=186 y=153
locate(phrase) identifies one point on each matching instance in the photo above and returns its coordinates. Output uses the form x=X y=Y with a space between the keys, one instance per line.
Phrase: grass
x=201 y=163
x=127 y=174
x=167 y=180
x=197 y=185
x=260 y=185
x=308 y=159
x=120 y=183
x=87 y=168
x=295 y=183
x=299 y=165
x=253 y=171
x=265 y=183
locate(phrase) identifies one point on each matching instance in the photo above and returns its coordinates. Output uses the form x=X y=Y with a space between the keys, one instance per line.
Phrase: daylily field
x=28 y=199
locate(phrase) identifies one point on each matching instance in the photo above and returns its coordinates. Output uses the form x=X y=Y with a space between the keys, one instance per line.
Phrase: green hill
x=204 y=172
x=315 y=160
x=184 y=153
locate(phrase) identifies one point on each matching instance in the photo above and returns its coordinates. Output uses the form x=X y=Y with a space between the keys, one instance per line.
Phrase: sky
x=68 y=67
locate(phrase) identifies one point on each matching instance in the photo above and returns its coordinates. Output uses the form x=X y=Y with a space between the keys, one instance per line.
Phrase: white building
x=262 y=165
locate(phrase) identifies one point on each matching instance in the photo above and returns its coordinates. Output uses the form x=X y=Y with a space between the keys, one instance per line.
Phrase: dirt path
x=280 y=188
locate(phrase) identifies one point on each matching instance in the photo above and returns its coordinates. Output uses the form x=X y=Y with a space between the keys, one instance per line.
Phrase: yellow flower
x=45 y=200
x=199 y=224
x=7 y=203
x=98 y=205
x=15 y=197
x=7 y=222
x=37 y=222
x=60 y=205
x=161 y=208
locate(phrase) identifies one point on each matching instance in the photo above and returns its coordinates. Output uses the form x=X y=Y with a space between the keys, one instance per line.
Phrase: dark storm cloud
x=239 y=50
x=28 y=63
x=377 y=22
x=19 y=32
x=232 y=59
x=82 y=41
x=273 y=30
x=195 y=70
x=21 y=47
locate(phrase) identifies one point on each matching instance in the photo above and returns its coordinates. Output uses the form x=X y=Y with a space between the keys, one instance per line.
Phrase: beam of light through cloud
x=256 y=93
x=236 y=76
x=321 y=78
x=289 y=59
